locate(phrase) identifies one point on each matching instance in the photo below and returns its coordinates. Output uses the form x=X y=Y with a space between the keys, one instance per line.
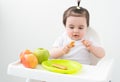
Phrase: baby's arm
x=96 y=50
x=58 y=52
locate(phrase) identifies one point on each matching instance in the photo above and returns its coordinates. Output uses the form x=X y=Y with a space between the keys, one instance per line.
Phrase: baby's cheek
x=82 y=35
x=69 y=33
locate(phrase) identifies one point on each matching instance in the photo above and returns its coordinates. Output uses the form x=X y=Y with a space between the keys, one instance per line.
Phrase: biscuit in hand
x=72 y=44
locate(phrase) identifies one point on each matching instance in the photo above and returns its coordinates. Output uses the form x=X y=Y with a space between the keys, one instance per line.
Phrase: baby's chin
x=76 y=39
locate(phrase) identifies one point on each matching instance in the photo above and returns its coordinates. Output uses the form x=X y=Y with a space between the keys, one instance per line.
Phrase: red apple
x=27 y=51
x=28 y=59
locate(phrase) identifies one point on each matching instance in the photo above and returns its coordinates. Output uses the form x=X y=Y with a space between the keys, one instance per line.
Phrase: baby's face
x=76 y=27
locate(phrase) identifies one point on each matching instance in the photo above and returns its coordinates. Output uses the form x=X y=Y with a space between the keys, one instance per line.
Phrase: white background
x=29 y=24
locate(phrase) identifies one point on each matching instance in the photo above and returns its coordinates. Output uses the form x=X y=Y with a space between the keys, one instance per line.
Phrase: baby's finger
x=86 y=43
x=66 y=49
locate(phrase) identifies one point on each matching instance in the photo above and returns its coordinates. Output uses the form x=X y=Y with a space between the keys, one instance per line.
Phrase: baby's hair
x=78 y=4
x=74 y=11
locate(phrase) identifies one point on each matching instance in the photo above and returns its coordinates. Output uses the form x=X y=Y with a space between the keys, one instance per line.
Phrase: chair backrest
x=92 y=33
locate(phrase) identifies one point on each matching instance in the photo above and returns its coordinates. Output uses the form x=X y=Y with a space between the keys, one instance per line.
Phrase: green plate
x=72 y=66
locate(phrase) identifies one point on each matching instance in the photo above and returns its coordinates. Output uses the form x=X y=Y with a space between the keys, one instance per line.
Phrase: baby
x=72 y=44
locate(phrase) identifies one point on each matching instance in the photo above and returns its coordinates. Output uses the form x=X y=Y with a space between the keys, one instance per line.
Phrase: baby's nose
x=76 y=30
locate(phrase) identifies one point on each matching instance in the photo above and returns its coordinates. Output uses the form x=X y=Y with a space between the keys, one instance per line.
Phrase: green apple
x=41 y=54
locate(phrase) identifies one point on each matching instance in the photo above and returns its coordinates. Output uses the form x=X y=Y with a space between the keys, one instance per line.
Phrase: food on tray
x=60 y=66
x=28 y=59
x=41 y=54
x=27 y=51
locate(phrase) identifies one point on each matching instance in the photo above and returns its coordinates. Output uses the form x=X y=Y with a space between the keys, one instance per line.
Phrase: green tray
x=72 y=66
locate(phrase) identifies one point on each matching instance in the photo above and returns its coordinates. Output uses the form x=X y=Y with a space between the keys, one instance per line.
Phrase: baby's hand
x=87 y=43
x=67 y=48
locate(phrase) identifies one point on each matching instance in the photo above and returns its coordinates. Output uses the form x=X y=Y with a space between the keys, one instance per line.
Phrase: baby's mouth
x=76 y=35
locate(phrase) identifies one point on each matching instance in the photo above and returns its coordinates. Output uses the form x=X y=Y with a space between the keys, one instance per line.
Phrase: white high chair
x=100 y=71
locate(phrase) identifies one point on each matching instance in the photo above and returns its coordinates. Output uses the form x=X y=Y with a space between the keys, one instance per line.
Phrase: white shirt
x=78 y=53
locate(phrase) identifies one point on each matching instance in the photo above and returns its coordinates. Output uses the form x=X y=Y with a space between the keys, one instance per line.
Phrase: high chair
x=100 y=70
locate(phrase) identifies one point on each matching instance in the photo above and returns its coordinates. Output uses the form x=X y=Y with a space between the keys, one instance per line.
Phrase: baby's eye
x=81 y=28
x=71 y=27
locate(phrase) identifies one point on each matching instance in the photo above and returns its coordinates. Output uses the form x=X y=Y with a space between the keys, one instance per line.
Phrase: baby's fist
x=86 y=43
x=67 y=48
